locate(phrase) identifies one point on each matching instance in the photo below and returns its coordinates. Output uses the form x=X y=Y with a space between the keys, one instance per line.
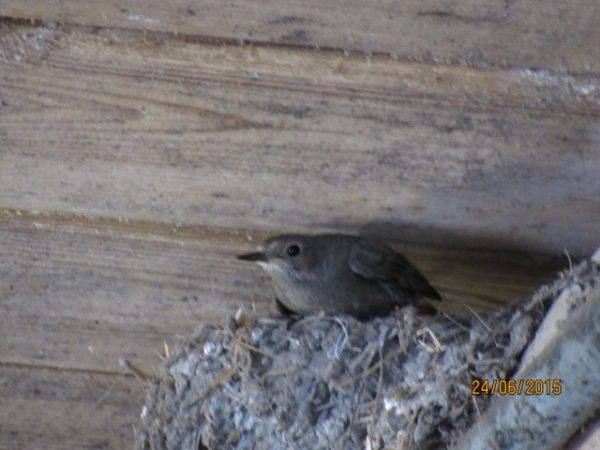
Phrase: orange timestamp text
x=523 y=386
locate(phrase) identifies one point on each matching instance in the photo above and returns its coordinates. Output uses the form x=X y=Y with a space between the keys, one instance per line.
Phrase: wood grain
x=82 y=294
x=528 y=33
x=156 y=129
x=135 y=165
x=52 y=409
x=77 y=294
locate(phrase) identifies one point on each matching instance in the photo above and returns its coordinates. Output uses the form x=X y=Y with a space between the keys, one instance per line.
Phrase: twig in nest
x=366 y=354
x=274 y=373
x=244 y=321
x=308 y=320
x=456 y=322
x=137 y=371
x=569 y=259
x=252 y=348
x=476 y=405
x=338 y=348
x=371 y=369
x=438 y=347
x=344 y=437
x=226 y=375
x=377 y=396
x=479 y=318
x=167 y=352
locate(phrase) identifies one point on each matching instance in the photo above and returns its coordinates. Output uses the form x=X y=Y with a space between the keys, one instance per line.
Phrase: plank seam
x=220 y=40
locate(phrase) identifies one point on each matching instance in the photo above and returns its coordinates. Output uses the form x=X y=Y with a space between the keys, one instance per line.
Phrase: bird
x=340 y=273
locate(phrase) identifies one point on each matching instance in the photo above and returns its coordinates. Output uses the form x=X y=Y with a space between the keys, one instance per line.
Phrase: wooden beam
x=54 y=409
x=135 y=165
x=551 y=34
x=81 y=294
x=84 y=293
x=78 y=294
x=151 y=128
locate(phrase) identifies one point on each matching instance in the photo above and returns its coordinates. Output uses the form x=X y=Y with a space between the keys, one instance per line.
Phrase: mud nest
x=333 y=382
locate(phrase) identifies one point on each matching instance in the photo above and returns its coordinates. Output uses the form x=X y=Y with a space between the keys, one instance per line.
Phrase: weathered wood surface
x=157 y=129
x=528 y=33
x=154 y=159
x=53 y=409
x=81 y=294
x=77 y=295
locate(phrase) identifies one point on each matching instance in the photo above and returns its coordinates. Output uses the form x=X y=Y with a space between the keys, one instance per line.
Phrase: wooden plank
x=155 y=129
x=197 y=147
x=550 y=34
x=82 y=294
x=78 y=294
x=54 y=409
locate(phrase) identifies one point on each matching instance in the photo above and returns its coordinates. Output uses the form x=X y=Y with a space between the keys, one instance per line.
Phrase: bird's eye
x=293 y=250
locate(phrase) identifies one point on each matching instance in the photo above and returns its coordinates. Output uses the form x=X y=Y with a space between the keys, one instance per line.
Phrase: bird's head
x=288 y=255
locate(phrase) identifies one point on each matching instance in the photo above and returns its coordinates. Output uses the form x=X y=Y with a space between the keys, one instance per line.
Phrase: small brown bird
x=339 y=273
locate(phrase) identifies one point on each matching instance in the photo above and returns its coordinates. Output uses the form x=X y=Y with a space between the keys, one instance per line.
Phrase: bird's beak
x=255 y=257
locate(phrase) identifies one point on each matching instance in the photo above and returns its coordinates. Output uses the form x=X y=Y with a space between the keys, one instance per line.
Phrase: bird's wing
x=377 y=262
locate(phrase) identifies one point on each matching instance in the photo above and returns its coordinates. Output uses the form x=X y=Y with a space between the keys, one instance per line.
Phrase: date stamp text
x=523 y=386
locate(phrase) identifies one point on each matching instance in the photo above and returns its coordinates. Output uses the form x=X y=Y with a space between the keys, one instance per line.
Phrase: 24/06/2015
x=516 y=387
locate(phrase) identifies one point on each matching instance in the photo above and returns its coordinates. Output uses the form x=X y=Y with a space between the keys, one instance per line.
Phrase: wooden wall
x=144 y=144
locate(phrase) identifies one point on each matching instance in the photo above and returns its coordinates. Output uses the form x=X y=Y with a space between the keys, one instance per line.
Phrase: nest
x=333 y=382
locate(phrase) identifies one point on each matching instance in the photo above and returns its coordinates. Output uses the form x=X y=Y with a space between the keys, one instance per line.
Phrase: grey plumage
x=339 y=274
